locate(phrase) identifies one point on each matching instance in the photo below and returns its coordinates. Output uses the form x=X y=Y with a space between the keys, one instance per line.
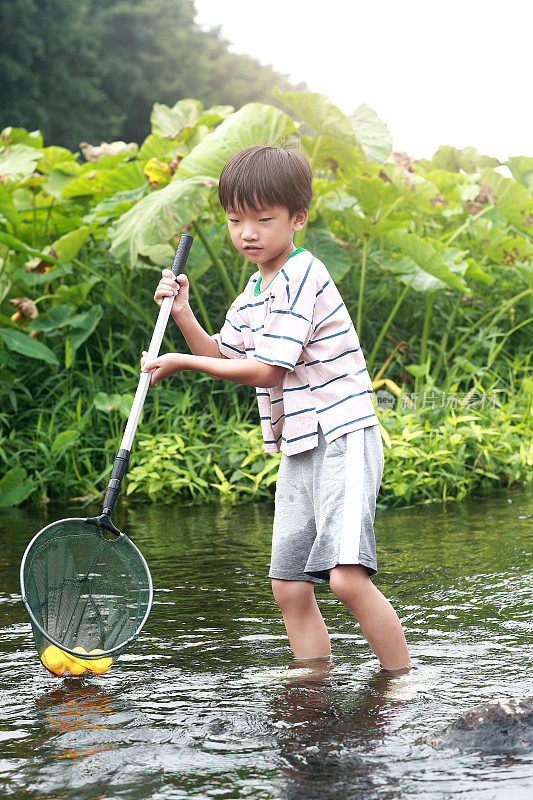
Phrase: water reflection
x=322 y=743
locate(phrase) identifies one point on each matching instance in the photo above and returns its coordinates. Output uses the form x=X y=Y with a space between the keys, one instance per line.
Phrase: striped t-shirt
x=299 y=321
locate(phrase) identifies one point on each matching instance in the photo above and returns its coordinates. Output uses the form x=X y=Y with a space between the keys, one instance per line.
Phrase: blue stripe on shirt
x=276 y=336
x=294 y=314
x=322 y=289
x=305 y=436
x=328 y=316
x=348 y=396
x=349 y=423
x=302 y=283
x=273 y=441
x=296 y=388
x=321 y=385
x=254 y=305
x=233 y=326
x=231 y=348
x=323 y=339
x=345 y=375
x=278 y=363
x=326 y=360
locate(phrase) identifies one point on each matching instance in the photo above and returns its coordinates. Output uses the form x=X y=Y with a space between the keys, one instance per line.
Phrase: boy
x=290 y=334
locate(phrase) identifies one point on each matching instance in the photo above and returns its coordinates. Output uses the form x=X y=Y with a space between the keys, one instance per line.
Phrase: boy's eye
x=265 y=219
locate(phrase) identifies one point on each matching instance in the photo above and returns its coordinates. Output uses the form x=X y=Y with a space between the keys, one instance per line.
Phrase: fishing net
x=85 y=588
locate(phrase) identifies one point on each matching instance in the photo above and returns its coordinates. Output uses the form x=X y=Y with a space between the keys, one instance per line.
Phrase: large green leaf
x=320 y=114
x=158 y=217
x=83 y=324
x=113 y=402
x=467 y=159
x=116 y=205
x=62 y=442
x=372 y=133
x=21 y=343
x=254 y=123
x=159 y=147
x=68 y=246
x=106 y=181
x=50 y=156
x=17 y=162
x=325 y=246
x=424 y=256
x=76 y=294
x=7 y=206
x=337 y=157
x=21 y=136
x=169 y=122
x=511 y=199
x=522 y=170
x=15 y=487
x=56 y=317
x=416 y=189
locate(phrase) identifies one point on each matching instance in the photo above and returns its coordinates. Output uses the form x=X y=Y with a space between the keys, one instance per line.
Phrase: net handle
x=122 y=458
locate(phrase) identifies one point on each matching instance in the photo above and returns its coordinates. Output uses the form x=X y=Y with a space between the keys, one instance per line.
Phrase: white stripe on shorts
x=353 y=499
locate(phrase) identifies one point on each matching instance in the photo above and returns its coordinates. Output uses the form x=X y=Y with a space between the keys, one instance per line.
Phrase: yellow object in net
x=59 y=662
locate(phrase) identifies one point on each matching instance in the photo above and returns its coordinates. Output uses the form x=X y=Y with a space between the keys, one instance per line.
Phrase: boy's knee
x=348 y=581
x=292 y=593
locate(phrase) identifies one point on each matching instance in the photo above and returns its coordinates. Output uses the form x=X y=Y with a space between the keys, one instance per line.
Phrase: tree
x=92 y=69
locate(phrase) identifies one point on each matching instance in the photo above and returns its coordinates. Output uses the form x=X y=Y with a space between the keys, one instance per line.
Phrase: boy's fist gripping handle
x=120 y=464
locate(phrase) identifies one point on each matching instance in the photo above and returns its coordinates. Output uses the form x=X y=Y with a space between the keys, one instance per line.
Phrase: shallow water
x=209 y=702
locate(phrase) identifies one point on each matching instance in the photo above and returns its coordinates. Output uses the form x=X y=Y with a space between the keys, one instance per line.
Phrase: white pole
x=144 y=381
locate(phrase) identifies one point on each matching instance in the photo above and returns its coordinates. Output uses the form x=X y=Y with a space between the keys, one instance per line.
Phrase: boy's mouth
x=252 y=247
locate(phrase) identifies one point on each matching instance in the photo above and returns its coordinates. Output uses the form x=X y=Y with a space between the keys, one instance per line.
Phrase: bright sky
x=455 y=72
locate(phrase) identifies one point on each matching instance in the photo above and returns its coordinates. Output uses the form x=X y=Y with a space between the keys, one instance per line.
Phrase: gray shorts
x=325 y=505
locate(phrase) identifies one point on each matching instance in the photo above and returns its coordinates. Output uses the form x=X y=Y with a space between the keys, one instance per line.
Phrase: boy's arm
x=249 y=371
x=199 y=341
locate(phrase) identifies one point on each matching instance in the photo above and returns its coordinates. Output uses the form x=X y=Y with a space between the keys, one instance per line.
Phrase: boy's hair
x=263 y=175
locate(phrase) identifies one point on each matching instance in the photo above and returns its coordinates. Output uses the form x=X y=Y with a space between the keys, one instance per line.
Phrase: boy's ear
x=300 y=218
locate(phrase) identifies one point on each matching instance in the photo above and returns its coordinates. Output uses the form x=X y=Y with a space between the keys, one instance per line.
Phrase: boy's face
x=265 y=235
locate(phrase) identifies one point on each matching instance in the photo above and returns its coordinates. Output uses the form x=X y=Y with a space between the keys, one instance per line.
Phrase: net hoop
x=48 y=636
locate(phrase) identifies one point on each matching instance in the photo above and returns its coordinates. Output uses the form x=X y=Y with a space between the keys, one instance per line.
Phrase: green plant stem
x=242 y=278
x=50 y=207
x=362 y=285
x=495 y=317
x=384 y=329
x=444 y=341
x=430 y=300
x=217 y=263
x=466 y=223
x=299 y=236
x=504 y=339
x=201 y=306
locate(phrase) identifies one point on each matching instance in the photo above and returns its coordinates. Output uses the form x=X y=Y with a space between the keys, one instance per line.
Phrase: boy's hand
x=169 y=286
x=161 y=367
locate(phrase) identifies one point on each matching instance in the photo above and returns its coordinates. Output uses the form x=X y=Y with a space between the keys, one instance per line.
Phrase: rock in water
x=503 y=725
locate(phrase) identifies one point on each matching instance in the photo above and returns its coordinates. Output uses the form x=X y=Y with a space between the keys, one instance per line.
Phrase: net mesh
x=85 y=587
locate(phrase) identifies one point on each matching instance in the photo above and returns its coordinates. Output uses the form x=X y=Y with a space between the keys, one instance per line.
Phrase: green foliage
x=433 y=258
x=90 y=70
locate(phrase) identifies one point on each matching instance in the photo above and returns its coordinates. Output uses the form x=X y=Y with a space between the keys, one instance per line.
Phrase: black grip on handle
x=182 y=252
x=120 y=467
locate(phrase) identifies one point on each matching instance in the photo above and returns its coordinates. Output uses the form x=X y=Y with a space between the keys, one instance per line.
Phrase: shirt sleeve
x=289 y=323
x=230 y=339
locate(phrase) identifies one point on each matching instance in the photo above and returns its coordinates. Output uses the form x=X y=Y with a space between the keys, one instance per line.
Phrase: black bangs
x=261 y=176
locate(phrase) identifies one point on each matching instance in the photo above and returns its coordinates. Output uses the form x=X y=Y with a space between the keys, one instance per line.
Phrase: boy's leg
x=377 y=618
x=305 y=626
